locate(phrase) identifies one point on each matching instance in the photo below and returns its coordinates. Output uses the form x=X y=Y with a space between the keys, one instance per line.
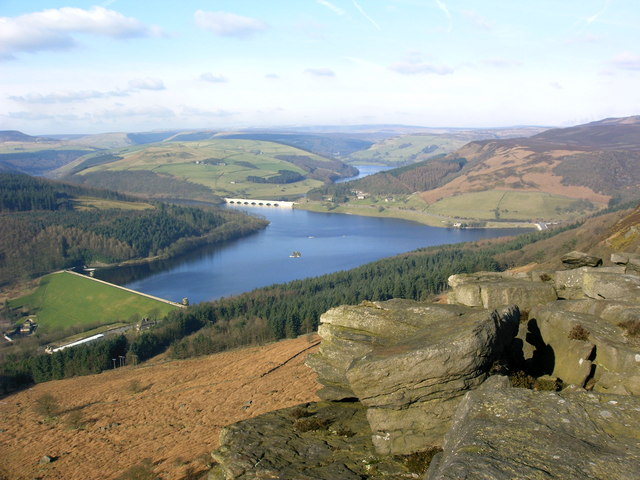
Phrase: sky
x=128 y=65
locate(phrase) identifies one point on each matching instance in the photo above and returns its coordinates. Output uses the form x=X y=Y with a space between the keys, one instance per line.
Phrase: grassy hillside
x=328 y=145
x=422 y=144
x=65 y=300
x=206 y=170
x=557 y=175
x=510 y=205
x=35 y=158
x=405 y=149
x=597 y=162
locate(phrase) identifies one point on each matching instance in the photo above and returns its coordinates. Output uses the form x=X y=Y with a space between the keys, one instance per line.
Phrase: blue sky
x=125 y=65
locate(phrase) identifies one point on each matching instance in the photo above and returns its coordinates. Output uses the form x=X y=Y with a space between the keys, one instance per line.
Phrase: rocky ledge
x=416 y=377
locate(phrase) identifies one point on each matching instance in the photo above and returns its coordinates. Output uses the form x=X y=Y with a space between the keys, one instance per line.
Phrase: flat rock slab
x=611 y=286
x=351 y=331
x=580 y=259
x=512 y=433
x=493 y=290
x=317 y=441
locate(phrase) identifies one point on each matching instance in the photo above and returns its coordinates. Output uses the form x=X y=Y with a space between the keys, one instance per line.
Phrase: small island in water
x=295 y=254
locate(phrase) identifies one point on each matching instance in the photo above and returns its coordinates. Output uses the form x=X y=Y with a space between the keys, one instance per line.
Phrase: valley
x=552 y=182
x=558 y=175
x=320 y=240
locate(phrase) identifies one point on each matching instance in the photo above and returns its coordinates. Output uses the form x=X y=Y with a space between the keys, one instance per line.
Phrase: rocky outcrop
x=611 y=285
x=309 y=442
x=507 y=433
x=418 y=376
x=593 y=346
x=413 y=387
x=350 y=332
x=630 y=261
x=493 y=290
x=410 y=363
x=580 y=259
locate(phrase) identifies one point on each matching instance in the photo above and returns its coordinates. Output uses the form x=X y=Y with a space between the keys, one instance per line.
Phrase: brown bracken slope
x=594 y=162
x=170 y=412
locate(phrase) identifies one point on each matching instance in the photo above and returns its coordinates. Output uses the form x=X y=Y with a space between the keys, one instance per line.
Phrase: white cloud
x=66 y=97
x=147 y=84
x=320 y=72
x=211 y=78
x=588 y=38
x=228 y=24
x=154 y=112
x=35 y=117
x=556 y=85
x=331 y=6
x=365 y=15
x=413 y=67
x=478 y=20
x=54 y=29
x=272 y=76
x=627 y=61
x=598 y=14
x=199 y=112
x=135 y=85
x=442 y=6
x=501 y=62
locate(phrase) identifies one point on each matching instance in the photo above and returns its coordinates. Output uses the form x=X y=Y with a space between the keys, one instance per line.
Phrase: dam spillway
x=251 y=202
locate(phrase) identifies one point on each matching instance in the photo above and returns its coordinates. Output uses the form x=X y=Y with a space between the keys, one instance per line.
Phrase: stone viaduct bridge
x=252 y=202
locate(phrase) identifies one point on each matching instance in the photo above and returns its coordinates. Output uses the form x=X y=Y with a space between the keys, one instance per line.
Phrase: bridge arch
x=259 y=203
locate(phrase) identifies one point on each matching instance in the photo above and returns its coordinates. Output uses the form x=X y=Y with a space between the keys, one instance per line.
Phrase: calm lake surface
x=327 y=242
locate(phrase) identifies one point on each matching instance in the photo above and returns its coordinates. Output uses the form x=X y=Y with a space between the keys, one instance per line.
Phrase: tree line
x=20 y=192
x=417 y=177
x=42 y=232
x=274 y=312
x=284 y=176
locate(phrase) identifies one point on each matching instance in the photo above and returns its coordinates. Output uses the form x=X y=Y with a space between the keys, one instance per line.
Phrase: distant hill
x=591 y=165
x=41 y=161
x=554 y=175
x=16 y=136
x=405 y=147
x=335 y=145
x=36 y=155
x=196 y=168
x=607 y=134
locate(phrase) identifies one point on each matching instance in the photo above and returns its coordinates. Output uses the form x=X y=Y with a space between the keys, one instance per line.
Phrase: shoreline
x=422 y=218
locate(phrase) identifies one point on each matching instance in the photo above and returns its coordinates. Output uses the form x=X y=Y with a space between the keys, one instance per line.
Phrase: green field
x=497 y=204
x=66 y=300
x=93 y=203
x=406 y=149
x=410 y=208
x=222 y=165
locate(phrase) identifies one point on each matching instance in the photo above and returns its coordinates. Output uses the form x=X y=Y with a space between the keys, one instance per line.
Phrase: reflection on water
x=127 y=274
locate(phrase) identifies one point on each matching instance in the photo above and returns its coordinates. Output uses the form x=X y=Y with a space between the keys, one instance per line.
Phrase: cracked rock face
x=509 y=433
x=351 y=331
x=594 y=344
x=319 y=441
x=409 y=363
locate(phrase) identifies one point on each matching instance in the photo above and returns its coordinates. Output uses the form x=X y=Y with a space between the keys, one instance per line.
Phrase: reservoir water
x=327 y=243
